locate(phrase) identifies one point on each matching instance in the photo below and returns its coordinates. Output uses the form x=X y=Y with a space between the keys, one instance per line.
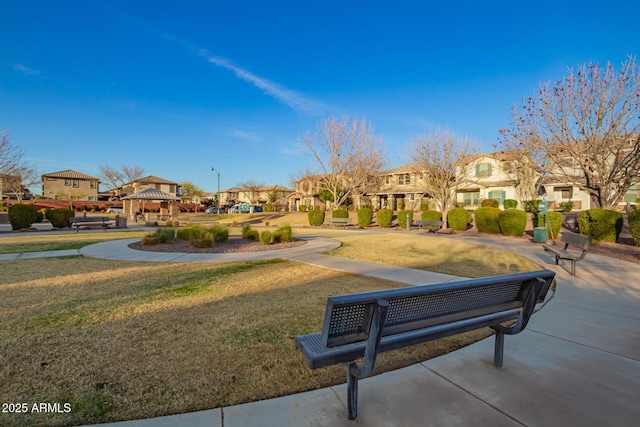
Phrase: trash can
x=540 y=234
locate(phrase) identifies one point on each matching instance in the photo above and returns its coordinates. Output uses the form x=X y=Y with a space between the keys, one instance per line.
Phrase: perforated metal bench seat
x=363 y=325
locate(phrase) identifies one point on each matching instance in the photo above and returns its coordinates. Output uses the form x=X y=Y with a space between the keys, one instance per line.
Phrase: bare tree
x=252 y=190
x=20 y=181
x=440 y=155
x=584 y=130
x=348 y=155
x=116 y=178
x=15 y=173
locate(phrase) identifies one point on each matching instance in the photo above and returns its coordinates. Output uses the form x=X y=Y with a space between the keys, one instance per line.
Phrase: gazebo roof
x=150 y=194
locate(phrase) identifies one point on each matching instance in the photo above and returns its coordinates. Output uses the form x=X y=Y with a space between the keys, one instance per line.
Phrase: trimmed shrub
x=489 y=203
x=148 y=241
x=60 y=217
x=531 y=205
x=201 y=243
x=512 y=222
x=634 y=225
x=401 y=205
x=246 y=228
x=285 y=234
x=252 y=235
x=340 y=213
x=22 y=216
x=164 y=234
x=365 y=216
x=431 y=216
x=219 y=234
x=384 y=218
x=510 y=204
x=487 y=220
x=316 y=217
x=266 y=237
x=424 y=206
x=402 y=218
x=303 y=208
x=458 y=219
x=553 y=222
x=566 y=206
x=601 y=224
x=39 y=216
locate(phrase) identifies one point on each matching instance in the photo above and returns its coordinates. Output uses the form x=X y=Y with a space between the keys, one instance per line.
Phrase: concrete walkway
x=577 y=363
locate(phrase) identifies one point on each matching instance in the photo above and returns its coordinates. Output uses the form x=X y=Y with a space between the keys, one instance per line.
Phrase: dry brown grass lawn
x=126 y=340
x=36 y=242
x=432 y=253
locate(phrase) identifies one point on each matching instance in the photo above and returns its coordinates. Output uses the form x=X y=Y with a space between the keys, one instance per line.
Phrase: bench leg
x=352 y=393
x=573 y=267
x=557 y=259
x=498 y=350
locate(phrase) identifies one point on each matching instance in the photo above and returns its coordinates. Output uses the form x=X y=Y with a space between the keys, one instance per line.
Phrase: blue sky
x=180 y=87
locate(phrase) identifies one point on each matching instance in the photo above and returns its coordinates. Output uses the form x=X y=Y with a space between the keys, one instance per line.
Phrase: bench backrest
x=575 y=239
x=345 y=220
x=429 y=222
x=348 y=317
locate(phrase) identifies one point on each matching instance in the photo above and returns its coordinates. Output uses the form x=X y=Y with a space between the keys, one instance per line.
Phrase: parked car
x=240 y=208
x=214 y=210
x=115 y=210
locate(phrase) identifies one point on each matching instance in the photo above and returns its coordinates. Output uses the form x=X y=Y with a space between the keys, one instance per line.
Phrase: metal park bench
x=90 y=221
x=575 y=248
x=429 y=225
x=337 y=221
x=363 y=325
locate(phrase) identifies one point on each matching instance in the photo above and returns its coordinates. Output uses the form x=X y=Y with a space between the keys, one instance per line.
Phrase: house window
x=93 y=184
x=498 y=195
x=387 y=180
x=67 y=182
x=412 y=197
x=566 y=193
x=76 y=183
x=404 y=178
x=92 y=199
x=471 y=199
x=483 y=170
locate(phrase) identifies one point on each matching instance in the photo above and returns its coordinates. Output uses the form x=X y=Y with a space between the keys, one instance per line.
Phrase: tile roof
x=152 y=179
x=150 y=194
x=70 y=174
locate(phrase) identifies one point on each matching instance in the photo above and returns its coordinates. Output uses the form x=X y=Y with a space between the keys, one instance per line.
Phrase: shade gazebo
x=134 y=204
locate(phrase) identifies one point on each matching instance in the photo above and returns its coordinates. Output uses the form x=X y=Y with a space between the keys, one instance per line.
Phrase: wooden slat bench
x=337 y=221
x=429 y=225
x=363 y=325
x=575 y=248
x=90 y=221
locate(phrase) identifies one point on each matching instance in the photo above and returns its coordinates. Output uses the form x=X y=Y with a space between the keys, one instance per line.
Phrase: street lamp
x=218 y=194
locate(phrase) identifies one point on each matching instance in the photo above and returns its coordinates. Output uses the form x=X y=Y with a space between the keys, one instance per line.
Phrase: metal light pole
x=218 y=194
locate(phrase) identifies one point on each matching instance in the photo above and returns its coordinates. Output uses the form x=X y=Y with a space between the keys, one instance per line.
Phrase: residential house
x=307 y=193
x=70 y=185
x=11 y=188
x=150 y=181
x=400 y=188
x=498 y=176
x=258 y=195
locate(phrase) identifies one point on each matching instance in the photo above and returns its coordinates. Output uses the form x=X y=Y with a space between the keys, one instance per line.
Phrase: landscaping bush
x=246 y=228
x=634 y=225
x=384 y=218
x=531 y=205
x=201 y=243
x=458 y=219
x=39 y=216
x=489 y=203
x=431 y=216
x=252 y=235
x=601 y=224
x=340 y=213
x=148 y=241
x=487 y=220
x=424 y=206
x=219 y=234
x=365 y=216
x=285 y=234
x=266 y=237
x=510 y=204
x=303 y=208
x=553 y=222
x=566 y=207
x=512 y=222
x=60 y=217
x=22 y=216
x=402 y=218
x=316 y=217
x=165 y=234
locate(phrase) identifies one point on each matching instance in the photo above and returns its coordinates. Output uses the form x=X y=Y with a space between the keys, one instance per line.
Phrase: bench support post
x=498 y=350
x=355 y=372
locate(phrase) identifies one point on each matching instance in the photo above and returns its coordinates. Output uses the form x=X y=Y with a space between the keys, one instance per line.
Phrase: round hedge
x=402 y=218
x=634 y=225
x=489 y=203
x=22 y=216
x=553 y=222
x=601 y=224
x=431 y=216
x=458 y=219
x=384 y=217
x=340 y=213
x=487 y=220
x=316 y=217
x=512 y=222
x=60 y=217
x=365 y=216
x=510 y=204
